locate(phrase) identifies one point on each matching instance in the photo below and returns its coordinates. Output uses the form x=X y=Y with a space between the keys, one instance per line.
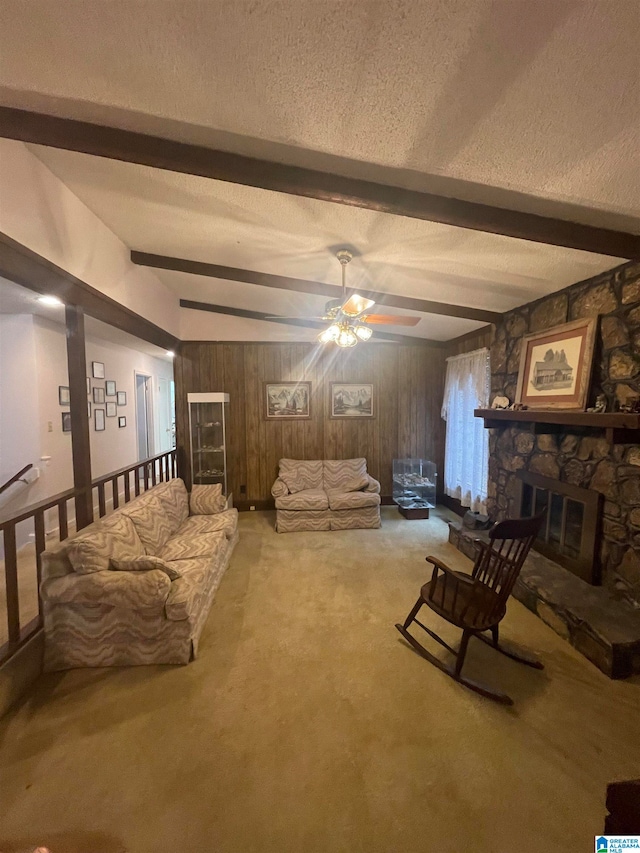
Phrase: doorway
x=166 y=415
x=144 y=416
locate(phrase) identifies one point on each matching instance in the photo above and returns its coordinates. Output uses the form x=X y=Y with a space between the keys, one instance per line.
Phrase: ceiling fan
x=348 y=320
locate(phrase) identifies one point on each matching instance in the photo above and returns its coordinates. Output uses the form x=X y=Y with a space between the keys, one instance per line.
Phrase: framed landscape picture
x=555 y=366
x=351 y=400
x=287 y=400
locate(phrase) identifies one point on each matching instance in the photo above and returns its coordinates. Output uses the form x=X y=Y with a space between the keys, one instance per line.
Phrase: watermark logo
x=617 y=843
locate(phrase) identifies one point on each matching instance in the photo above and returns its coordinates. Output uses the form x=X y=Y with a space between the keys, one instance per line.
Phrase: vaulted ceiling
x=530 y=107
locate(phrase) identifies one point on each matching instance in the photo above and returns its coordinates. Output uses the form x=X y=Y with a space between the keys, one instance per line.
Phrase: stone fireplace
x=577 y=465
x=572 y=529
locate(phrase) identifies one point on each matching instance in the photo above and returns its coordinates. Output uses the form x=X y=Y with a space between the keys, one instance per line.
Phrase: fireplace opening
x=569 y=535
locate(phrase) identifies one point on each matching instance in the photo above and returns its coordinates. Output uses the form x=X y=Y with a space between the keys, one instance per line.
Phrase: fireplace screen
x=569 y=534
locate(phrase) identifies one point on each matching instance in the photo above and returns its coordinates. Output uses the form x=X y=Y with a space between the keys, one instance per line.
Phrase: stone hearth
x=603 y=629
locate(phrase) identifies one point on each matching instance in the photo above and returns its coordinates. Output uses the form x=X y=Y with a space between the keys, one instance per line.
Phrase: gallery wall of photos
x=104 y=400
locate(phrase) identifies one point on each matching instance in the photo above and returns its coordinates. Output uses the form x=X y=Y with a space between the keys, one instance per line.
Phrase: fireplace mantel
x=619 y=427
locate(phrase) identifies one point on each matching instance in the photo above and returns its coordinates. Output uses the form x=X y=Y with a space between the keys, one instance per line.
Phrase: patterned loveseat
x=330 y=494
x=136 y=586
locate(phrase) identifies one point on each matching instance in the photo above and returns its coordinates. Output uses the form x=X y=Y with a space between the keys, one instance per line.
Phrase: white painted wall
x=41 y=212
x=33 y=359
x=116 y=447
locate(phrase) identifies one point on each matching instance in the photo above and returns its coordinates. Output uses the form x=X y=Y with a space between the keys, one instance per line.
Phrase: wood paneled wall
x=408 y=385
x=472 y=341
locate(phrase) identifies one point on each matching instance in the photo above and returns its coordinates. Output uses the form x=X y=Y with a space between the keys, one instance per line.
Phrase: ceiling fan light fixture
x=363 y=332
x=346 y=337
x=329 y=335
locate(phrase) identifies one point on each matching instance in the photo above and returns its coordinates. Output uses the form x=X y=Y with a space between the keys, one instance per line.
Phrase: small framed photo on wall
x=122 y=421
x=111 y=409
x=66 y=422
x=121 y=398
x=98 y=420
x=110 y=387
x=88 y=386
x=63 y=395
x=98 y=395
x=89 y=408
x=97 y=369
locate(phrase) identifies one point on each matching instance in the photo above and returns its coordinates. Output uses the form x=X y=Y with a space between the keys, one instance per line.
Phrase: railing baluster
x=153 y=473
x=146 y=476
x=102 y=508
x=63 y=525
x=11 y=582
x=114 y=491
x=38 y=522
x=136 y=482
x=127 y=487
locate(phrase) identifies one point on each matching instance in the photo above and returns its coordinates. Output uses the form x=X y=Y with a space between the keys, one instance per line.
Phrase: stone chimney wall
x=583 y=458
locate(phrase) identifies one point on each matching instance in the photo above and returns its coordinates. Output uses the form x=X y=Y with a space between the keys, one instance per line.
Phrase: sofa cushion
x=300 y=475
x=307 y=499
x=187 y=593
x=355 y=484
x=226 y=522
x=183 y=547
x=145 y=563
x=352 y=500
x=207 y=500
x=338 y=472
x=151 y=522
x=174 y=498
x=126 y=542
x=91 y=551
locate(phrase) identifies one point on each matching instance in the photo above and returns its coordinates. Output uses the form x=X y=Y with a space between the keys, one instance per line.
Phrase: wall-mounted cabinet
x=208 y=416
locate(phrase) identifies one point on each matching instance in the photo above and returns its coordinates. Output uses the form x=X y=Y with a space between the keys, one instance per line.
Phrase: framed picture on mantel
x=555 y=367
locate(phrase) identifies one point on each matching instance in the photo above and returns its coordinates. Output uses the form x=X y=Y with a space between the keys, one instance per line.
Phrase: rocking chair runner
x=477 y=602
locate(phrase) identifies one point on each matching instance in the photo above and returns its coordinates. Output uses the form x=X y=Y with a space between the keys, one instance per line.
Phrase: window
x=467 y=445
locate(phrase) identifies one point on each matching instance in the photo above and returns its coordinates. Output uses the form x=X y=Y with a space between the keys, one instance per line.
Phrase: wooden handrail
x=154 y=469
x=15 y=477
x=47 y=503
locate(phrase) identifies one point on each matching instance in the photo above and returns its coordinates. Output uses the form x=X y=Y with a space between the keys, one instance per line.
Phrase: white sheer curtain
x=466 y=464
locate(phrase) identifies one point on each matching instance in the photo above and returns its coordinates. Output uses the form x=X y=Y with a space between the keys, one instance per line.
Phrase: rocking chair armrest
x=438 y=565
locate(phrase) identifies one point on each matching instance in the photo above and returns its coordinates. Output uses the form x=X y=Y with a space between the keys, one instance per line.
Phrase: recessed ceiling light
x=170 y=354
x=50 y=300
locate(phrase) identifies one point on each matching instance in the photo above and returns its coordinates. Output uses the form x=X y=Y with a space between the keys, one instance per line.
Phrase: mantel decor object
x=555 y=367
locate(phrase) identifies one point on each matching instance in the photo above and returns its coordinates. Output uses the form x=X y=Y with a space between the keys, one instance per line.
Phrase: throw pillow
x=90 y=553
x=293 y=483
x=145 y=564
x=207 y=500
x=356 y=484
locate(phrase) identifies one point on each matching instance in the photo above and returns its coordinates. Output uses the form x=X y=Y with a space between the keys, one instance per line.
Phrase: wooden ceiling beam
x=157 y=152
x=316 y=288
x=28 y=269
x=291 y=321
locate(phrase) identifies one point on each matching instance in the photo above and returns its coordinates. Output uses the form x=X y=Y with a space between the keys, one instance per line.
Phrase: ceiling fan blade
x=392 y=320
x=356 y=304
x=286 y=317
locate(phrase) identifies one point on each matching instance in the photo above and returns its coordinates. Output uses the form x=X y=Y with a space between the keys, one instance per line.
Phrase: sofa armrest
x=374 y=485
x=131 y=590
x=279 y=489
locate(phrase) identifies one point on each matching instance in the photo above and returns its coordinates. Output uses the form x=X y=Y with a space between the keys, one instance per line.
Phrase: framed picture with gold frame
x=555 y=366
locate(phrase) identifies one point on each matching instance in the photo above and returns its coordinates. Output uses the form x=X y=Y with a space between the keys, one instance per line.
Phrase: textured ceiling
x=534 y=106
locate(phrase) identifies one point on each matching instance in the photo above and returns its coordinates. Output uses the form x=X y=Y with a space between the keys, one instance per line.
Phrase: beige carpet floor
x=307 y=724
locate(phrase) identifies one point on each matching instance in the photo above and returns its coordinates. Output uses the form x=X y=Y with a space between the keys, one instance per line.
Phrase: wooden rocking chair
x=477 y=602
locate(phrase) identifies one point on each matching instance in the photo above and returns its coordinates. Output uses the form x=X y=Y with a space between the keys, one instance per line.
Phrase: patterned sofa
x=330 y=494
x=136 y=587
